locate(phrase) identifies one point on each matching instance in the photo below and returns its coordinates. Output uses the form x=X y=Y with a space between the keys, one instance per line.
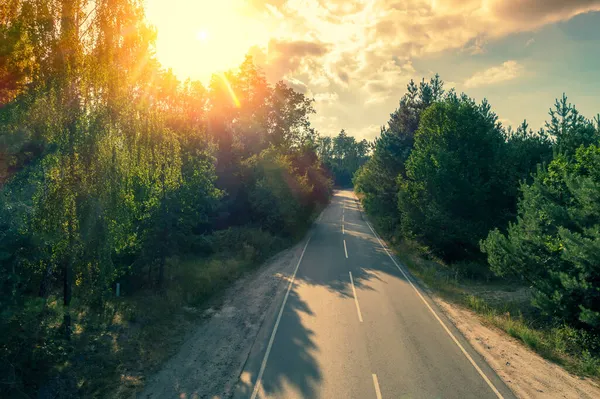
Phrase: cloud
x=368 y=132
x=299 y=48
x=529 y=42
x=363 y=49
x=507 y=71
x=274 y=11
x=281 y=57
x=350 y=39
x=505 y=122
x=328 y=98
x=297 y=85
x=540 y=12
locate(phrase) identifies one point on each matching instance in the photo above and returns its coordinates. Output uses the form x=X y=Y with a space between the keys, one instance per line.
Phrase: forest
x=496 y=203
x=114 y=175
x=127 y=194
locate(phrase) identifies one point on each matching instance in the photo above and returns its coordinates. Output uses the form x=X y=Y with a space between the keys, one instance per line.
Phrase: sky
x=355 y=57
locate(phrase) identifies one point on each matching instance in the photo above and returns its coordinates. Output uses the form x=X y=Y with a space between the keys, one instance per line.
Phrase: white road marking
x=355 y=298
x=485 y=378
x=264 y=362
x=342 y=218
x=345 y=250
x=376 y=383
x=343 y=231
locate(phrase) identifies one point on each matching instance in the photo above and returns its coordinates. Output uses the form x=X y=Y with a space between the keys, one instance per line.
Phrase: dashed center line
x=345 y=249
x=462 y=349
x=376 y=383
x=356 y=300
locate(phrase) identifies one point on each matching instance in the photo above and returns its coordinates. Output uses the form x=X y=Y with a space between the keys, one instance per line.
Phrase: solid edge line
x=320 y=215
x=485 y=378
x=264 y=362
x=345 y=250
x=376 y=383
x=355 y=298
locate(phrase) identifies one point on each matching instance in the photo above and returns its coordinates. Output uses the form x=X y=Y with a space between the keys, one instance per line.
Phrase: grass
x=145 y=320
x=111 y=352
x=505 y=305
x=194 y=284
x=114 y=348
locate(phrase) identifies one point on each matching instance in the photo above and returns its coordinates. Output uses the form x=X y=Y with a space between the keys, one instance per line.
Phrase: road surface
x=353 y=324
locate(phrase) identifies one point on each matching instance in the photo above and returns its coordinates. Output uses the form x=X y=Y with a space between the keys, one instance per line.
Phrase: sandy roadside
x=209 y=363
x=525 y=372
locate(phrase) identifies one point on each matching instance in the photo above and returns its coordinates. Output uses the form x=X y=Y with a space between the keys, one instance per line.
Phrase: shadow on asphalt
x=297 y=366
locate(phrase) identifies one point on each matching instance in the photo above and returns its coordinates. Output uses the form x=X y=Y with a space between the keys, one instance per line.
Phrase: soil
x=209 y=363
x=525 y=372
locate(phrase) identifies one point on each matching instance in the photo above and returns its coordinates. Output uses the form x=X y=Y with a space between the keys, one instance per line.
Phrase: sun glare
x=197 y=38
x=202 y=35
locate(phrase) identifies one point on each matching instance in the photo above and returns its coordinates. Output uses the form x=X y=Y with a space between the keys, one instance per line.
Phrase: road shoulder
x=525 y=372
x=210 y=361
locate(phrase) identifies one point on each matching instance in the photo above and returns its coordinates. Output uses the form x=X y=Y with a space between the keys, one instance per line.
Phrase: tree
x=569 y=128
x=455 y=185
x=343 y=155
x=554 y=243
x=376 y=180
x=110 y=167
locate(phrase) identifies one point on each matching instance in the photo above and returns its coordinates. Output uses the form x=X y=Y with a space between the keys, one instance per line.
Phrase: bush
x=554 y=244
x=279 y=197
x=455 y=188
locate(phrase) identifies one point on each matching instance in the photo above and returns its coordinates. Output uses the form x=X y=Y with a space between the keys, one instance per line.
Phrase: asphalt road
x=354 y=324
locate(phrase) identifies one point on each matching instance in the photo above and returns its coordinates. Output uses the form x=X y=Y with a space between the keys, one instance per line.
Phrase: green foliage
x=278 y=196
x=454 y=189
x=554 y=243
x=111 y=169
x=343 y=155
x=446 y=173
x=376 y=179
x=569 y=128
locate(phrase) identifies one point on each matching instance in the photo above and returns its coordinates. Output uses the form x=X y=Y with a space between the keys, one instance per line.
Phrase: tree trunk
x=68 y=282
x=69 y=55
x=45 y=284
x=161 y=272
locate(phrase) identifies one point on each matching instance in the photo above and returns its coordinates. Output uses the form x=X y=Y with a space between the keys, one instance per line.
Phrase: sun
x=196 y=38
x=202 y=35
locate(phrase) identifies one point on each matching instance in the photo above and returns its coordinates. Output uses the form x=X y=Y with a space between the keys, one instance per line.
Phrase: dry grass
x=506 y=305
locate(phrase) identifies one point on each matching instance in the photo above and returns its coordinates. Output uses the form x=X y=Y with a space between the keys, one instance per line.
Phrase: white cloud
x=507 y=71
x=505 y=122
x=274 y=11
x=327 y=98
x=362 y=49
x=529 y=42
x=368 y=132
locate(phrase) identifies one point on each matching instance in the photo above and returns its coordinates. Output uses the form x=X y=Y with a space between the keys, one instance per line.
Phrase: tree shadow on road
x=294 y=364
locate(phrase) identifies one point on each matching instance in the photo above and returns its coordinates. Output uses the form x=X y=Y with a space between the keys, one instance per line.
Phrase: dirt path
x=525 y=372
x=210 y=361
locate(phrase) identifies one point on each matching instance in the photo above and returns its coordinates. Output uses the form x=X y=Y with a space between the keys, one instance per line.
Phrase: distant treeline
x=111 y=166
x=343 y=155
x=518 y=203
